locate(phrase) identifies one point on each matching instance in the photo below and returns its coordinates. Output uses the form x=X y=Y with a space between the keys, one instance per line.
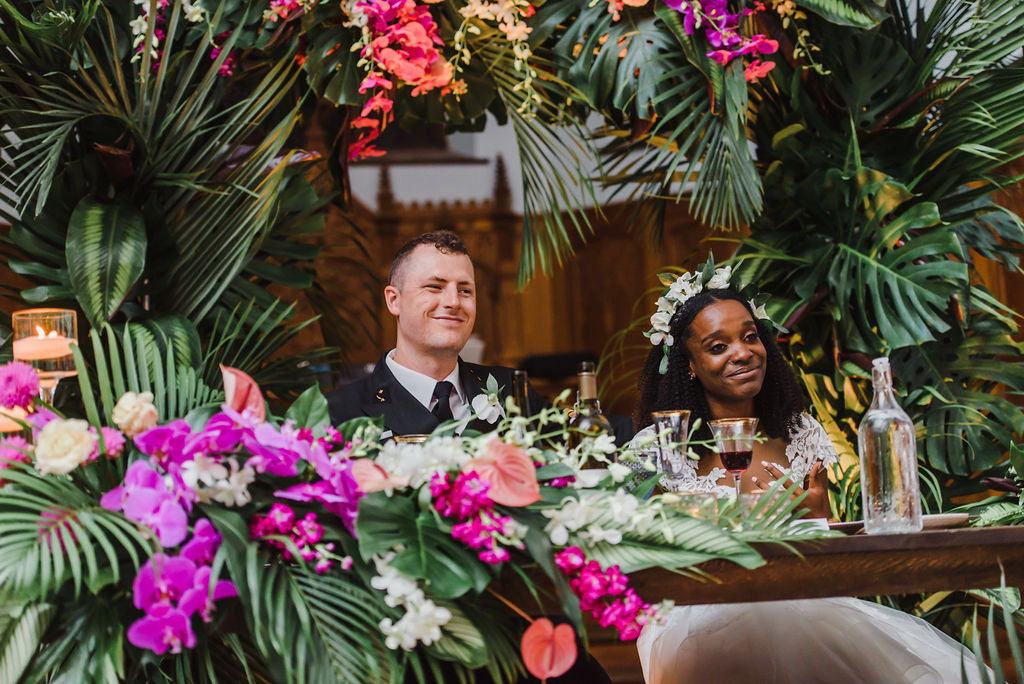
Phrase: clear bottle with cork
x=890 y=489
x=588 y=421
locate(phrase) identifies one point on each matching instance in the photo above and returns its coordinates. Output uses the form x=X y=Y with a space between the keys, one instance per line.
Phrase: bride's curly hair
x=778 y=405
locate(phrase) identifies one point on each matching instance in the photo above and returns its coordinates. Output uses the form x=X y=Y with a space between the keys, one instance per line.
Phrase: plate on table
x=935 y=521
x=941 y=521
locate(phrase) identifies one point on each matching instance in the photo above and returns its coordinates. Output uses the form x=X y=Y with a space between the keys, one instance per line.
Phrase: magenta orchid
x=145 y=498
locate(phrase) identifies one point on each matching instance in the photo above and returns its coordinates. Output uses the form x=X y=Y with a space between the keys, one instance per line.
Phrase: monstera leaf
x=106 y=253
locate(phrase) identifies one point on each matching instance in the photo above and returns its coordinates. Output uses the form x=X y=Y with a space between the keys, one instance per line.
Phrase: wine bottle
x=588 y=420
x=890 y=490
x=520 y=382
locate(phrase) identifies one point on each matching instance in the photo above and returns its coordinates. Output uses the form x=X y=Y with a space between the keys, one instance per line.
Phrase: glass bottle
x=588 y=420
x=890 y=490
x=520 y=395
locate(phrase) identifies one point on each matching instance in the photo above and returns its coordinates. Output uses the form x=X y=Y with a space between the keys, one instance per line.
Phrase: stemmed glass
x=672 y=429
x=734 y=439
x=43 y=339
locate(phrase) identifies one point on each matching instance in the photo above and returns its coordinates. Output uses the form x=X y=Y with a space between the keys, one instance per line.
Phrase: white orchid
x=759 y=311
x=487 y=407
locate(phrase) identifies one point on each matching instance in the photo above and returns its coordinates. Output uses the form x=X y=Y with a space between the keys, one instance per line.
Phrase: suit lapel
x=402 y=414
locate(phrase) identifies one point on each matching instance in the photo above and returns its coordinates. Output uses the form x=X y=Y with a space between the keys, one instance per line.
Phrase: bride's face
x=725 y=352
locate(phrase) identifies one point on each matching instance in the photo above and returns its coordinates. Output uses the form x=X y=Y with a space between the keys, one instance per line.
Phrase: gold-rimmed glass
x=734 y=441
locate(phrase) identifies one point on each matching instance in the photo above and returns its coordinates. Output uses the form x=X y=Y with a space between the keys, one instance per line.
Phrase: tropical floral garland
x=420 y=528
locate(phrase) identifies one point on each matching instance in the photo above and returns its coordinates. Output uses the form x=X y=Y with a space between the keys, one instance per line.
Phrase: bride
x=712 y=356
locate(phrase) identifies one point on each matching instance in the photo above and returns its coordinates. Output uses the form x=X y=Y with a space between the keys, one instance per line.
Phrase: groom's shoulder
x=480 y=372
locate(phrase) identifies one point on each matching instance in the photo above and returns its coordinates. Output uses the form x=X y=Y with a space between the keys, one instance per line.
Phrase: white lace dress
x=832 y=640
x=808 y=442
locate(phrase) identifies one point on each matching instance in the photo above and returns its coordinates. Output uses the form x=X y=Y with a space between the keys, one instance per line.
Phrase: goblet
x=734 y=439
x=43 y=339
x=672 y=429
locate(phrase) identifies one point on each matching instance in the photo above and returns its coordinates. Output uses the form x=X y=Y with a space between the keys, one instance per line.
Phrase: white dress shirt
x=422 y=386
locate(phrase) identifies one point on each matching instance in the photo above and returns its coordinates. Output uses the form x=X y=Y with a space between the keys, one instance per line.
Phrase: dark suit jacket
x=380 y=394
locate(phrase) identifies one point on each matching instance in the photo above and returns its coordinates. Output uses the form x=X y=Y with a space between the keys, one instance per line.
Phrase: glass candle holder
x=43 y=339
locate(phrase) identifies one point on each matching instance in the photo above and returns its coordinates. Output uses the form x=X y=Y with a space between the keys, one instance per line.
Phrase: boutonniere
x=487 y=405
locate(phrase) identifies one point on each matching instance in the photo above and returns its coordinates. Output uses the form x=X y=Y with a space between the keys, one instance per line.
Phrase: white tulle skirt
x=833 y=640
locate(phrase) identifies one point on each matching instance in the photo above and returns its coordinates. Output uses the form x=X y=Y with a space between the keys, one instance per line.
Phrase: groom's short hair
x=445 y=241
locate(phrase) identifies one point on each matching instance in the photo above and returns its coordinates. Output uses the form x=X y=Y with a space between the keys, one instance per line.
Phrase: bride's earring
x=691 y=376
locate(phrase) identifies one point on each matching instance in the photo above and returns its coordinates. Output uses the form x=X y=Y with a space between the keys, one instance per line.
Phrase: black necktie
x=443 y=408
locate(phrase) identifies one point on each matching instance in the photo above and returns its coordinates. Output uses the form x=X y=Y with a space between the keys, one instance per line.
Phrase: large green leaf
x=448 y=568
x=106 y=252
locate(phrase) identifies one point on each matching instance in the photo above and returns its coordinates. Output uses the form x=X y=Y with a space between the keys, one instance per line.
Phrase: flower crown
x=681 y=289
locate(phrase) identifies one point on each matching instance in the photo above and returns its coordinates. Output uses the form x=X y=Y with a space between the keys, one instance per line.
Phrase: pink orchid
x=203 y=545
x=199 y=597
x=165 y=627
x=162 y=580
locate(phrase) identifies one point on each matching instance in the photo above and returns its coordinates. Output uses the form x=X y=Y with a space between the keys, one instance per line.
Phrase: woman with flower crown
x=714 y=356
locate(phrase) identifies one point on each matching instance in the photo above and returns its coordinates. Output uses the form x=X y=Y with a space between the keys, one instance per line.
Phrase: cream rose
x=134 y=413
x=63 y=445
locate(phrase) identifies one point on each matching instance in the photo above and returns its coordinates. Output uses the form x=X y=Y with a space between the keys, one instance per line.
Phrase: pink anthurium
x=548 y=650
x=372 y=478
x=241 y=392
x=510 y=473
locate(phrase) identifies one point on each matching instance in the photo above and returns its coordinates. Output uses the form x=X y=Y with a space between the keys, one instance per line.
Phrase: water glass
x=672 y=428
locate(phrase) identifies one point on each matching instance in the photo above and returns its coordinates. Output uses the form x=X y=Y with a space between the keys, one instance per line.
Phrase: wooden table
x=856 y=565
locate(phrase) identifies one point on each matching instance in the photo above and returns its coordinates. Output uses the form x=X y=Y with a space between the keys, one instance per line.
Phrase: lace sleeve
x=808 y=442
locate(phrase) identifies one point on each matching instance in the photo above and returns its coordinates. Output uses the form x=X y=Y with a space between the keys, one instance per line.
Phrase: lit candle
x=7 y=416
x=44 y=345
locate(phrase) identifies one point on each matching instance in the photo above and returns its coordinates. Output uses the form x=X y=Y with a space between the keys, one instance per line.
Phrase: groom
x=422 y=382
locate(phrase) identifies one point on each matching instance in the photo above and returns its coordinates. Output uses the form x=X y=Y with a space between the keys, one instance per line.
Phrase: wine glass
x=43 y=339
x=734 y=439
x=672 y=429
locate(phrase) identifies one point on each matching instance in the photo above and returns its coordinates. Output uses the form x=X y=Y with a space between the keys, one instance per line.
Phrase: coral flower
x=241 y=392
x=372 y=478
x=548 y=650
x=510 y=473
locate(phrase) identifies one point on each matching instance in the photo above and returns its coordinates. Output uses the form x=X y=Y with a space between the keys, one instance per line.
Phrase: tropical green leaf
x=52 y=533
x=106 y=250
x=22 y=627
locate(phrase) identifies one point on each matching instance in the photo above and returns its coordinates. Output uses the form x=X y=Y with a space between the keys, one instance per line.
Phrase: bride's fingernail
x=765 y=464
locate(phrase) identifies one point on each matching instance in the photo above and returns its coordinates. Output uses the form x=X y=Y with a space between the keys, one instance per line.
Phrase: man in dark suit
x=422 y=382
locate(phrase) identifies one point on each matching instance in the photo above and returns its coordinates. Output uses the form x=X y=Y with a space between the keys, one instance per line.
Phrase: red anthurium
x=241 y=392
x=548 y=650
x=510 y=473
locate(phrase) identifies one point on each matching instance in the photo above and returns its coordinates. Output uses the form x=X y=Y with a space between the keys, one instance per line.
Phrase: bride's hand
x=816 y=486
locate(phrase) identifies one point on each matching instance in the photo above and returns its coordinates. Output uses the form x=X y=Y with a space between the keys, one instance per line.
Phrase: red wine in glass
x=736 y=461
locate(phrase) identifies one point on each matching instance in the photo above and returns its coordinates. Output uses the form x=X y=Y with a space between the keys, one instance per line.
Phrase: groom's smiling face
x=434 y=300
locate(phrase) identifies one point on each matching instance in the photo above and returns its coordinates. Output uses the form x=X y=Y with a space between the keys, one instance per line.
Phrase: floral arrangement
x=231 y=538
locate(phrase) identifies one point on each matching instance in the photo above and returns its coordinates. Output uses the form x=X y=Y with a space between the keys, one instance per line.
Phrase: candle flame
x=42 y=334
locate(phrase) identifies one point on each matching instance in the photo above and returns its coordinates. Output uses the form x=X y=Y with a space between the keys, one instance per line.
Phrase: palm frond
x=52 y=533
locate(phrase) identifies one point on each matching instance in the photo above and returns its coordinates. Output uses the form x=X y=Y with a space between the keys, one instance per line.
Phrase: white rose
x=661 y=320
x=63 y=445
x=134 y=413
x=721 y=278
